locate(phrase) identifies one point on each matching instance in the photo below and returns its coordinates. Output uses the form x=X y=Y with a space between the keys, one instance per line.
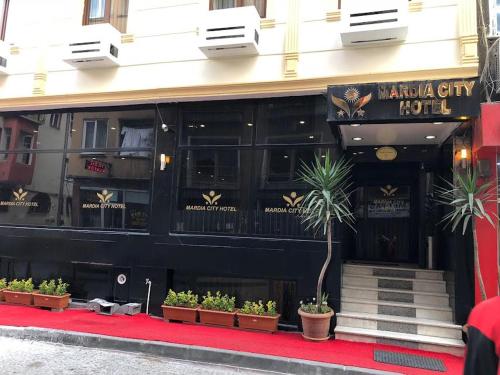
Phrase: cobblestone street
x=31 y=357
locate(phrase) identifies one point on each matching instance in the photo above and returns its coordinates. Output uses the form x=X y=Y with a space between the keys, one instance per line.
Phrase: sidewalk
x=201 y=343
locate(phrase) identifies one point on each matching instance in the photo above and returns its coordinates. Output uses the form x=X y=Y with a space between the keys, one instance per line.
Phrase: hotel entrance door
x=385 y=209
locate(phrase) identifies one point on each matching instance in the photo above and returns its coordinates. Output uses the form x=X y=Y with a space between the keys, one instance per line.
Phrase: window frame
x=55 y=120
x=84 y=135
x=239 y=4
x=4 y=17
x=107 y=15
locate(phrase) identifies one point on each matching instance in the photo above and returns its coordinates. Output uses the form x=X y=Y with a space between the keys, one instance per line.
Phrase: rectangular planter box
x=19 y=298
x=182 y=314
x=219 y=318
x=258 y=322
x=2 y=297
x=52 y=302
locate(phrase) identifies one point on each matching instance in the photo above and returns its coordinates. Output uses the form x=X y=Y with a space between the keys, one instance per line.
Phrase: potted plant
x=182 y=306
x=52 y=295
x=256 y=315
x=468 y=201
x=218 y=309
x=3 y=285
x=20 y=292
x=328 y=200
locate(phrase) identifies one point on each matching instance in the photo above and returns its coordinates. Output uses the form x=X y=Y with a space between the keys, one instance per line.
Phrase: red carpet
x=280 y=344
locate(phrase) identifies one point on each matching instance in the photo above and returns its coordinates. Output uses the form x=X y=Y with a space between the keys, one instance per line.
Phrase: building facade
x=162 y=140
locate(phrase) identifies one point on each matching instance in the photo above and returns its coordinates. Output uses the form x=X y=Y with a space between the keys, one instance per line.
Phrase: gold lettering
x=443 y=89
x=394 y=92
x=404 y=107
x=469 y=85
x=426 y=104
x=428 y=91
x=403 y=91
x=383 y=93
x=416 y=107
x=413 y=92
x=458 y=86
x=444 y=109
x=436 y=107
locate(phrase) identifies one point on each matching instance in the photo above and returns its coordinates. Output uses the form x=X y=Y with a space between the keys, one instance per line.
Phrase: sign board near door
x=416 y=101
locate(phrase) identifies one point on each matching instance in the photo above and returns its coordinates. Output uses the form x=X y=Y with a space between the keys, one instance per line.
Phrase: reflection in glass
x=293 y=120
x=280 y=194
x=213 y=191
x=216 y=128
x=29 y=193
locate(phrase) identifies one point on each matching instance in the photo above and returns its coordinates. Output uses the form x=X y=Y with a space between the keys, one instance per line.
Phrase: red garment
x=483 y=346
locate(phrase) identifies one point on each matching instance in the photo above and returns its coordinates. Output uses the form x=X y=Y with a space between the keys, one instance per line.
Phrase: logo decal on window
x=19 y=200
x=293 y=200
x=211 y=198
x=104 y=197
x=389 y=191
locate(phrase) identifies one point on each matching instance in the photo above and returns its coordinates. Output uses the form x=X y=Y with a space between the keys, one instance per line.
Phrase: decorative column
x=467 y=29
x=40 y=76
x=291 y=56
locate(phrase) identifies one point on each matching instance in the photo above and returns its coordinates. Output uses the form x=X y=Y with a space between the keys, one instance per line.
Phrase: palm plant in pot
x=467 y=200
x=326 y=202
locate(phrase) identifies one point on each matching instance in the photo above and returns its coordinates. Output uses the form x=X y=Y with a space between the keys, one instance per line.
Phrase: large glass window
x=114 y=12
x=231 y=182
x=81 y=169
x=260 y=5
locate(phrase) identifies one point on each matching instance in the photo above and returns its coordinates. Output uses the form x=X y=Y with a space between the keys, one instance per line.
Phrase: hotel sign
x=19 y=200
x=454 y=99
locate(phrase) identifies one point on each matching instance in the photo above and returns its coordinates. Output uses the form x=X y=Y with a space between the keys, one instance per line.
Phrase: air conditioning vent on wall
x=367 y=22
x=230 y=32
x=94 y=46
x=4 y=54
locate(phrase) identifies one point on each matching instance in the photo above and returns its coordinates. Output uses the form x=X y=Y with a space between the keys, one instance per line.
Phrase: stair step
x=422 y=342
x=394 y=283
x=396 y=295
x=408 y=273
x=397 y=309
x=401 y=324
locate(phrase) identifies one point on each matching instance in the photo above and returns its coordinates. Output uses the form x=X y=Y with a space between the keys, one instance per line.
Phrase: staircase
x=397 y=306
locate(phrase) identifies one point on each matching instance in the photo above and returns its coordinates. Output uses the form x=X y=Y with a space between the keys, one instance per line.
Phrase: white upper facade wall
x=164 y=52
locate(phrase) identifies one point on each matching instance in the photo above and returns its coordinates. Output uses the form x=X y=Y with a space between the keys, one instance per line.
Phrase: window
x=260 y=5
x=114 y=12
x=25 y=143
x=4 y=10
x=55 y=120
x=5 y=136
x=137 y=134
x=95 y=134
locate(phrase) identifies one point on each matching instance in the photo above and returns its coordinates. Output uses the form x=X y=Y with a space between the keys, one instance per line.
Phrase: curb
x=186 y=352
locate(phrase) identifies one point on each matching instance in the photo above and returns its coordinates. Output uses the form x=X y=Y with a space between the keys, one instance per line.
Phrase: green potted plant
x=52 y=295
x=468 y=201
x=3 y=285
x=327 y=201
x=181 y=306
x=218 y=309
x=20 y=292
x=256 y=315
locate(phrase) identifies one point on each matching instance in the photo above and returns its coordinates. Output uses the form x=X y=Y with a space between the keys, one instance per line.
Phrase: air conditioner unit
x=367 y=22
x=4 y=55
x=230 y=32
x=94 y=46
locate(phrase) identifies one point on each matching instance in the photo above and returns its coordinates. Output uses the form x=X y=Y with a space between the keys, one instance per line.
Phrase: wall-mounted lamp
x=463 y=157
x=164 y=160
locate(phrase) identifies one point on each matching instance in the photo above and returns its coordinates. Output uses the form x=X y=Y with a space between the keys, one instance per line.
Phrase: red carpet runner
x=280 y=344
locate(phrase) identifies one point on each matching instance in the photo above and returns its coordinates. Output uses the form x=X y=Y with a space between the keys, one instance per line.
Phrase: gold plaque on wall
x=386 y=153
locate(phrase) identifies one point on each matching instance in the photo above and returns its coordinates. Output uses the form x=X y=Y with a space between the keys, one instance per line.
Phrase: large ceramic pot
x=219 y=318
x=258 y=322
x=20 y=298
x=181 y=314
x=51 y=302
x=316 y=326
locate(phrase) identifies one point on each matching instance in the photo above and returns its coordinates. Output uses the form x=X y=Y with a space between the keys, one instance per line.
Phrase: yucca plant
x=328 y=200
x=467 y=199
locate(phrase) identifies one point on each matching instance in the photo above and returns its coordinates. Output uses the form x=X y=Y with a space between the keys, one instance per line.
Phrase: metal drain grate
x=409 y=360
